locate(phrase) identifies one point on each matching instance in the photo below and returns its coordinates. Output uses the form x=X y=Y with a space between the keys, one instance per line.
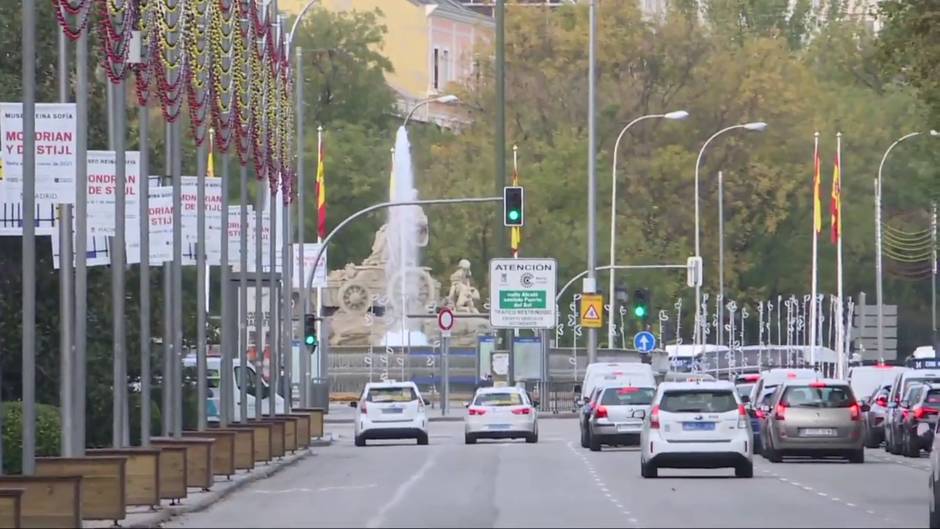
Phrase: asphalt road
x=556 y=483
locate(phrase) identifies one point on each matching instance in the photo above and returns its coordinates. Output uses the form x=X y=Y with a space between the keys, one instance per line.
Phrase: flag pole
x=840 y=325
x=816 y=215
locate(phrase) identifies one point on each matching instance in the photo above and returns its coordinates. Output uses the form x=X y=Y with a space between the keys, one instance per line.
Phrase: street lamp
x=449 y=98
x=878 y=269
x=755 y=126
x=675 y=115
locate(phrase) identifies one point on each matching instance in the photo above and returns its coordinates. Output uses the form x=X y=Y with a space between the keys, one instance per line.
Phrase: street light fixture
x=448 y=98
x=755 y=126
x=674 y=115
x=878 y=234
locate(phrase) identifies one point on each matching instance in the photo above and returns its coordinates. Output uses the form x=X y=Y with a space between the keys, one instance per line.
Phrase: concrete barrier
x=11 y=513
x=316 y=420
x=48 y=501
x=223 y=450
x=104 y=483
x=143 y=473
x=244 y=445
x=198 y=459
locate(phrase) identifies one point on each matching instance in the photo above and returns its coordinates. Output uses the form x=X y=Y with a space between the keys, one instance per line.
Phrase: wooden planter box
x=48 y=501
x=223 y=450
x=104 y=483
x=143 y=473
x=11 y=512
x=316 y=420
x=198 y=459
x=263 y=439
x=303 y=429
x=244 y=445
x=172 y=473
x=290 y=432
x=278 y=435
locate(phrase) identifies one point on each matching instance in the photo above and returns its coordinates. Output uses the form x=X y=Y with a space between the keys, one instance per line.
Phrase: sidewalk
x=199 y=500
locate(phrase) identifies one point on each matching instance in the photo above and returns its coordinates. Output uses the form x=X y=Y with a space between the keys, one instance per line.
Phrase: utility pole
x=29 y=237
x=590 y=284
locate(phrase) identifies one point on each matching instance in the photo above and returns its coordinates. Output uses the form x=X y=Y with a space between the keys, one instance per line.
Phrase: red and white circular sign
x=445 y=319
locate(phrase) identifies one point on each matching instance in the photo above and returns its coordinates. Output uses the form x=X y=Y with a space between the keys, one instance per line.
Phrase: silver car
x=875 y=418
x=617 y=419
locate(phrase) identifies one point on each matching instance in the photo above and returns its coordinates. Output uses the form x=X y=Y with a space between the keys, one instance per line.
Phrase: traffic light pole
x=616 y=267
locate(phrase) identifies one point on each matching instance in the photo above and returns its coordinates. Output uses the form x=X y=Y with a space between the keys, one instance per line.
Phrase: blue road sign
x=644 y=341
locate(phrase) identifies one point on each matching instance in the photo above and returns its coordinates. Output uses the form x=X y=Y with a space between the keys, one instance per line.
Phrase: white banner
x=310 y=254
x=11 y=216
x=101 y=197
x=55 y=152
x=213 y=211
x=235 y=230
x=98 y=254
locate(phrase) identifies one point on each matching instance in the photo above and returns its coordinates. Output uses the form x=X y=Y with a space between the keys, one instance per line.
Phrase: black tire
x=857 y=456
x=772 y=455
x=469 y=439
x=595 y=444
x=649 y=470
x=909 y=447
x=744 y=470
x=585 y=442
x=894 y=447
x=423 y=439
x=532 y=438
x=360 y=440
x=870 y=441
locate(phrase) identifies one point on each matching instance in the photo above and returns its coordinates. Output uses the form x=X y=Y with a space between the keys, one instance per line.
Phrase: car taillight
x=362 y=407
x=600 y=412
x=882 y=401
x=521 y=411
x=855 y=412
x=759 y=414
x=654 y=418
x=923 y=411
x=742 y=416
x=477 y=411
x=780 y=412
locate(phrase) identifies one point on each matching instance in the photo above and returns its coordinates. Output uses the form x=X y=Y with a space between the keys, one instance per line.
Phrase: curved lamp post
x=675 y=115
x=755 y=126
x=878 y=234
x=449 y=98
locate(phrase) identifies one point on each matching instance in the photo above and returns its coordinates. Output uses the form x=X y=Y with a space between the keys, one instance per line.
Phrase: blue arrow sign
x=644 y=341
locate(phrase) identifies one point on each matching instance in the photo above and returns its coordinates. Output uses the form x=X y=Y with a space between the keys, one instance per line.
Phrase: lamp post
x=878 y=269
x=449 y=98
x=675 y=115
x=756 y=126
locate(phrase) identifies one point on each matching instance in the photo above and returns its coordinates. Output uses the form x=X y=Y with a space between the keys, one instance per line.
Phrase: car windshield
x=698 y=401
x=394 y=394
x=627 y=396
x=766 y=397
x=744 y=390
x=499 y=399
x=818 y=397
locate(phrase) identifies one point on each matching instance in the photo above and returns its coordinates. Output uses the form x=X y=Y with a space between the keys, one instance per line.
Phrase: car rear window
x=744 y=389
x=911 y=381
x=933 y=397
x=400 y=394
x=499 y=399
x=698 y=401
x=818 y=397
x=627 y=396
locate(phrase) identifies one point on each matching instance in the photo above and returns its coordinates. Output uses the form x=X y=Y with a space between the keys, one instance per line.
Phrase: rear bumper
x=699 y=459
x=392 y=433
x=737 y=450
x=816 y=445
x=501 y=434
x=610 y=434
x=510 y=426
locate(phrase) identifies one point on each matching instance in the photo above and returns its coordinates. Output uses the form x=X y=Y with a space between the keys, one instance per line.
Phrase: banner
x=213 y=212
x=235 y=230
x=55 y=152
x=102 y=177
x=310 y=254
x=98 y=250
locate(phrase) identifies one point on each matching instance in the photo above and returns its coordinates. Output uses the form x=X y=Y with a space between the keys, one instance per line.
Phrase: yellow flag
x=210 y=164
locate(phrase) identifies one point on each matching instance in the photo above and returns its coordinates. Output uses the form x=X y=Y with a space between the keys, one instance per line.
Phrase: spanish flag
x=817 y=203
x=210 y=163
x=321 y=195
x=835 y=206
x=515 y=232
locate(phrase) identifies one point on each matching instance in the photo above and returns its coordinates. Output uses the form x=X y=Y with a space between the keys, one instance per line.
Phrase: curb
x=168 y=513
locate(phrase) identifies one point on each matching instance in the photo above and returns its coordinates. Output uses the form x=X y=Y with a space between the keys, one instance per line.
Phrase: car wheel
x=894 y=446
x=648 y=470
x=532 y=438
x=857 y=456
x=870 y=441
x=469 y=439
x=909 y=447
x=744 y=470
x=595 y=444
x=360 y=440
x=423 y=439
x=584 y=438
x=771 y=454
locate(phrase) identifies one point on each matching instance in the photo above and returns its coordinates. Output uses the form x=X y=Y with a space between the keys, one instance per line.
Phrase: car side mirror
x=865 y=408
x=892 y=405
x=466 y=404
x=353 y=404
x=427 y=401
x=535 y=403
x=577 y=388
x=751 y=412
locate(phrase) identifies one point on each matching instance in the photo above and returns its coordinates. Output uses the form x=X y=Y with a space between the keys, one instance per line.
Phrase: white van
x=214 y=370
x=640 y=374
x=865 y=380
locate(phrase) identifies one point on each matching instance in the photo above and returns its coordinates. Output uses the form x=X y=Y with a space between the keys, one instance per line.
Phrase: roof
x=824 y=381
x=719 y=384
x=391 y=384
x=502 y=389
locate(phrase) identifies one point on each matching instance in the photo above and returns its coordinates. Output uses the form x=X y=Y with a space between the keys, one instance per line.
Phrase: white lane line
x=347 y=487
x=870 y=512
x=850 y=504
x=402 y=491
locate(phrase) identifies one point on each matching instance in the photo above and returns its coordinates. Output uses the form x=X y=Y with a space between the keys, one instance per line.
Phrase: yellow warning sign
x=592 y=311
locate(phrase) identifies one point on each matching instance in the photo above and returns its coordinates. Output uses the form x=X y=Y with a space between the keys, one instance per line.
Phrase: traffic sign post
x=522 y=293
x=445 y=322
x=644 y=341
x=592 y=311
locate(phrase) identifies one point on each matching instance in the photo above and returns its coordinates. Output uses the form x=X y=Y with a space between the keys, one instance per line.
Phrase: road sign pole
x=259 y=314
x=592 y=172
x=202 y=391
x=143 y=214
x=29 y=236
x=177 y=370
x=81 y=241
x=243 y=294
x=166 y=386
x=228 y=331
x=445 y=379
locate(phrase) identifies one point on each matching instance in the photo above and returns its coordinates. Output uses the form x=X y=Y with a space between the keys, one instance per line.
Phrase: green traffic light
x=514 y=214
x=639 y=311
x=311 y=340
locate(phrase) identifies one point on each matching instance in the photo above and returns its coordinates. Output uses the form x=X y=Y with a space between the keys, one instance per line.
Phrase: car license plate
x=392 y=410
x=698 y=426
x=628 y=427
x=817 y=432
x=498 y=426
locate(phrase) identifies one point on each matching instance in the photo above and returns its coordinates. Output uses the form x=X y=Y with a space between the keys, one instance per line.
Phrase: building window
x=445 y=60
x=436 y=69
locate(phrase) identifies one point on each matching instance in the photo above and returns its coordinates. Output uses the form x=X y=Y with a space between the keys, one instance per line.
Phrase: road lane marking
x=402 y=491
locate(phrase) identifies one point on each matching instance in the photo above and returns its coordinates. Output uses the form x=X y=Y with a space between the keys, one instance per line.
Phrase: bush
x=48 y=434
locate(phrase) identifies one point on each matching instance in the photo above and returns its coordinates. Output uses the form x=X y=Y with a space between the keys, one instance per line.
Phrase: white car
x=697 y=425
x=391 y=410
x=501 y=413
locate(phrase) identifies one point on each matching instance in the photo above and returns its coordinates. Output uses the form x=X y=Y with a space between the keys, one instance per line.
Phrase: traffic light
x=641 y=304
x=513 y=215
x=310 y=330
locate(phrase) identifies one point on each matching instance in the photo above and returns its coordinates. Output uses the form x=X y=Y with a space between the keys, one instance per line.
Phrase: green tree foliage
x=48 y=430
x=910 y=47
